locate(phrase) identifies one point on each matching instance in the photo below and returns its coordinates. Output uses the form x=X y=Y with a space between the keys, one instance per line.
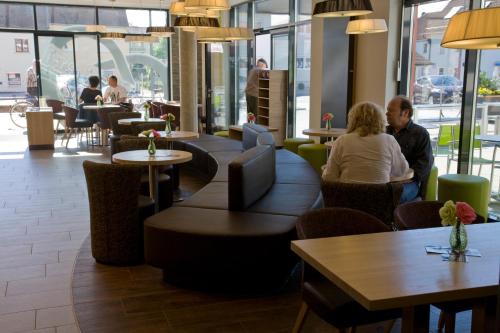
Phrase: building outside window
x=22 y=45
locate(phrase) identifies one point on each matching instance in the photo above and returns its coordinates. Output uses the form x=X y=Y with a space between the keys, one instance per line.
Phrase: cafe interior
x=250 y=166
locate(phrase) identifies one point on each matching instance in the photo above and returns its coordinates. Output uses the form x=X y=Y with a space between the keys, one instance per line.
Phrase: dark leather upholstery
x=265 y=138
x=201 y=243
x=251 y=175
x=220 y=249
x=250 y=134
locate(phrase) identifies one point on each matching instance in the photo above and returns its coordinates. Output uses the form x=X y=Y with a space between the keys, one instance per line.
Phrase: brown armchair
x=328 y=301
x=74 y=124
x=117 y=213
x=378 y=200
x=57 y=109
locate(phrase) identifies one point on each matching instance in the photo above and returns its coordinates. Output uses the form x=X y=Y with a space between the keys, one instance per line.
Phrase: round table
x=162 y=157
x=177 y=136
x=97 y=107
x=323 y=132
x=130 y=121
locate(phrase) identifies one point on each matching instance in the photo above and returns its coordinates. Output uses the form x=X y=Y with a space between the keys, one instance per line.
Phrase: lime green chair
x=454 y=145
x=315 y=154
x=474 y=190
x=292 y=144
x=430 y=193
x=224 y=134
x=445 y=137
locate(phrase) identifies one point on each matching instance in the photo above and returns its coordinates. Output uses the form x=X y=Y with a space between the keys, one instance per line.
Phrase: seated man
x=415 y=144
x=114 y=93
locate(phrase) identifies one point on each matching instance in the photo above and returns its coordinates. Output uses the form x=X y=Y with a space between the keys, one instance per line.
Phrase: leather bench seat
x=211 y=248
x=296 y=174
x=215 y=146
x=284 y=156
x=221 y=160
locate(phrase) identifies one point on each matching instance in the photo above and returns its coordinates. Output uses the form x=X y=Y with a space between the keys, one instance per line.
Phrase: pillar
x=188 y=80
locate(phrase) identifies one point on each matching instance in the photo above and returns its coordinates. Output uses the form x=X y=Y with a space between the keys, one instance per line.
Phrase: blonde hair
x=366 y=118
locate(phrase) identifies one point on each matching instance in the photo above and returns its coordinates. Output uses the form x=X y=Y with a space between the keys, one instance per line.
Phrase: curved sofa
x=241 y=242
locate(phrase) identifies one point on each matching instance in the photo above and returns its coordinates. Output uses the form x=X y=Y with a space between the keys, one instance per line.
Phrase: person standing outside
x=252 y=88
x=415 y=145
x=115 y=93
x=32 y=82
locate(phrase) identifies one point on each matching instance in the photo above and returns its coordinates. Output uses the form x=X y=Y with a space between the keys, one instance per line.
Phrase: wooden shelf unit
x=273 y=102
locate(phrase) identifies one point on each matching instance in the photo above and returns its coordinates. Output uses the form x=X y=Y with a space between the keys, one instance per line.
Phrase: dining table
x=330 y=134
x=392 y=270
x=162 y=157
x=132 y=121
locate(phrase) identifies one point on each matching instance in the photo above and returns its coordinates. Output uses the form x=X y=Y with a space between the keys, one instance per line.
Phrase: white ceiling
x=117 y=3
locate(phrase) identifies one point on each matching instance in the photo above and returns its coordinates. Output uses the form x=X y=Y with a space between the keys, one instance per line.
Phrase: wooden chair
x=328 y=301
x=74 y=124
x=57 y=109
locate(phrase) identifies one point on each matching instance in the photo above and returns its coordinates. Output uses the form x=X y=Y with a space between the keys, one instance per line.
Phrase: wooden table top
x=162 y=157
x=179 y=135
x=130 y=121
x=104 y=106
x=488 y=138
x=239 y=128
x=392 y=269
x=331 y=133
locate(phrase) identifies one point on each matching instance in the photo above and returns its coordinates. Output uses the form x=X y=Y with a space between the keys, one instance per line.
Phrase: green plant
x=488 y=86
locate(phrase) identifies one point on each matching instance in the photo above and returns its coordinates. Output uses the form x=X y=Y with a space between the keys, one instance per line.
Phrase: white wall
x=14 y=62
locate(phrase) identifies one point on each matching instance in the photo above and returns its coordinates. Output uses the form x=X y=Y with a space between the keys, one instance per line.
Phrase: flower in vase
x=151 y=134
x=98 y=98
x=251 y=117
x=328 y=117
x=168 y=117
x=465 y=213
x=448 y=213
x=147 y=106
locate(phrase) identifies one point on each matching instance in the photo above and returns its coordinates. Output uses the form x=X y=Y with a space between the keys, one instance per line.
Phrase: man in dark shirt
x=415 y=144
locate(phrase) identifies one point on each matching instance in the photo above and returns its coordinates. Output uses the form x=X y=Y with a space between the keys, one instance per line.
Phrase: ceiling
x=117 y=3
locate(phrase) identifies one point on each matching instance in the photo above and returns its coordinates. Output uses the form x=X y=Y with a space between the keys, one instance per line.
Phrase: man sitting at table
x=114 y=93
x=415 y=144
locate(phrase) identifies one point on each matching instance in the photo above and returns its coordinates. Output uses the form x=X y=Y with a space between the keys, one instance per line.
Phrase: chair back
x=70 y=115
x=122 y=129
x=127 y=107
x=113 y=192
x=56 y=105
x=421 y=214
x=333 y=222
x=176 y=111
x=378 y=200
x=155 y=110
x=103 y=115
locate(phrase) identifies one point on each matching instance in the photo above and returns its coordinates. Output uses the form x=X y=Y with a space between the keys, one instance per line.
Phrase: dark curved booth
x=235 y=233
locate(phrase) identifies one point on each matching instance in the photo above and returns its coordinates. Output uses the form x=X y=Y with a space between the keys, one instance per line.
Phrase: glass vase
x=99 y=103
x=168 y=128
x=152 y=147
x=328 y=125
x=146 y=115
x=458 y=238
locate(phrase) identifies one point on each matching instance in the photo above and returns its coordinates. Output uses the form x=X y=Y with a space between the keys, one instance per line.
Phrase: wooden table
x=92 y=107
x=131 y=121
x=323 y=132
x=392 y=270
x=161 y=158
x=236 y=131
x=40 y=126
x=177 y=136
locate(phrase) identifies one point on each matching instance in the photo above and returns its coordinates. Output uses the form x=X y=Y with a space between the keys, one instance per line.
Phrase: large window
x=16 y=16
x=241 y=50
x=302 y=78
x=270 y=13
x=64 y=18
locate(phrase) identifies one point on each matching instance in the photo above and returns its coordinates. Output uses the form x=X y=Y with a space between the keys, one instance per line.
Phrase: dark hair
x=113 y=77
x=262 y=60
x=405 y=104
x=93 y=81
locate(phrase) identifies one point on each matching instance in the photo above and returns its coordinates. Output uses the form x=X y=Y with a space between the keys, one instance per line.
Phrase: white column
x=188 y=80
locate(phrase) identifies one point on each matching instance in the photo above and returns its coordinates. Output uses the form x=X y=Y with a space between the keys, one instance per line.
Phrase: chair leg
x=299 y=322
x=441 y=321
x=388 y=329
x=449 y=322
x=69 y=137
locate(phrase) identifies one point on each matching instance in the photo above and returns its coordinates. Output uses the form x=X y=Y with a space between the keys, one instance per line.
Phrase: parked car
x=437 y=89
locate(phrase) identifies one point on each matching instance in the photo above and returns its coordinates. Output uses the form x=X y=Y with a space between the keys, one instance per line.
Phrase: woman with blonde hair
x=366 y=154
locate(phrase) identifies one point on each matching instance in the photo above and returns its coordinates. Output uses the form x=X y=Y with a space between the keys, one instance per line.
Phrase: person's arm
x=424 y=158
x=399 y=164
x=332 y=170
x=106 y=94
x=123 y=95
x=80 y=99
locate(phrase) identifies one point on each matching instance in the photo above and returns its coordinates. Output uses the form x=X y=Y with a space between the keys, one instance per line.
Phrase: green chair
x=474 y=190
x=292 y=144
x=445 y=137
x=454 y=145
x=430 y=193
x=224 y=134
x=315 y=154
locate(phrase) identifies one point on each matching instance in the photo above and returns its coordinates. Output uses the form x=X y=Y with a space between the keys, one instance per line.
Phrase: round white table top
x=179 y=135
x=130 y=121
x=162 y=157
x=331 y=133
x=97 y=107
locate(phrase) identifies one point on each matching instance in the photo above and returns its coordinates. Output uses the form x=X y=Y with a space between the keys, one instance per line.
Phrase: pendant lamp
x=112 y=35
x=235 y=34
x=160 y=32
x=178 y=9
x=341 y=8
x=200 y=22
x=142 y=38
x=477 y=29
x=366 y=26
x=208 y=4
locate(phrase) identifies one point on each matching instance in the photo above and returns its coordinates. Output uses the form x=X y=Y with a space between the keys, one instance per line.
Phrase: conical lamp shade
x=367 y=26
x=142 y=38
x=208 y=4
x=161 y=31
x=340 y=8
x=239 y=34
x=178 y=9
x=112 y=35
x=188 y=21
x=475 y=29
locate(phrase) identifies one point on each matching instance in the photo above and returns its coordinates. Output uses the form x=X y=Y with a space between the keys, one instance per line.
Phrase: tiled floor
x=43 y=221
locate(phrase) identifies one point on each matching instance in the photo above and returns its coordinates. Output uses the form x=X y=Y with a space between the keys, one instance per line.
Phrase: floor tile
x=18 y=303
x=68 y=329
x=17 y=322
x=51 y=317
x=21 y=273
x=58 y=282
x=62 y=268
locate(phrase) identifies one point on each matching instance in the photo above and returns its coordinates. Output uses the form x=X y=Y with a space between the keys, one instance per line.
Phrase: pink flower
x=251 y=117
x=465 y=213
x=155 y=134
x=327 y=116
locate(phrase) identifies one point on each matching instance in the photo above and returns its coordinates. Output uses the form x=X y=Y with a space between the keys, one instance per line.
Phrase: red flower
x=251 y=117
x=155 y=133
x=465 y=213
x=327 y=116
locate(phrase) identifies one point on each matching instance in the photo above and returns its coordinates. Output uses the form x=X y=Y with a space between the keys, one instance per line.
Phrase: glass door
x=87 y=61
x=279 y=51
x=57 y=68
